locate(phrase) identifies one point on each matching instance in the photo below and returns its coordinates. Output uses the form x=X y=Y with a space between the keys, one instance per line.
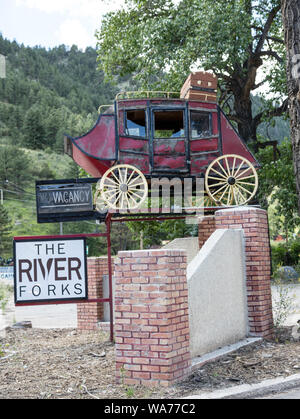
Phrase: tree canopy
x=161 y=41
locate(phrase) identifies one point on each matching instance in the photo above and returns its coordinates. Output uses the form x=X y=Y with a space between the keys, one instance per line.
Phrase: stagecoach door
x=169 y=141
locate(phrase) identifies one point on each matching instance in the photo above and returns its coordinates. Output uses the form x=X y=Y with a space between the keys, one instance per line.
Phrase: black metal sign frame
x=64 y=200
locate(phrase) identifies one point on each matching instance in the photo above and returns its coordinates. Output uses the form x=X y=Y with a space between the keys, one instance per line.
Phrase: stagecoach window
x=200 y=124
x=135 y=123
x=168 y=124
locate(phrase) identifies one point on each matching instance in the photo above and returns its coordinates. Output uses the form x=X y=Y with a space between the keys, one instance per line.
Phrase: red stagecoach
x=154 y=134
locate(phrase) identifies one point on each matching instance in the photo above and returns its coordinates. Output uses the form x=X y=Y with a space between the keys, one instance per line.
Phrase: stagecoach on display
x=147 y=135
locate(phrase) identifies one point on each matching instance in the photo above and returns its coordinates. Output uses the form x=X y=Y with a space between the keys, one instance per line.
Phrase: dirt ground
x=69 y=364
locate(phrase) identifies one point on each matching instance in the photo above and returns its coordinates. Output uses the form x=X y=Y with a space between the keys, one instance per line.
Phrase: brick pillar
x=207 y=226
x=254 y=222
x=89 y=314
x=151 y=317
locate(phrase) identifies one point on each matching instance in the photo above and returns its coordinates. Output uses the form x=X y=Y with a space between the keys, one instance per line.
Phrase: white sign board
x=50 y=269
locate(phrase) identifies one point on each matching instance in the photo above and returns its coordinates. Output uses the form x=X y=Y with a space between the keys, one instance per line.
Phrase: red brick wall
x=207 y=226
x=254 y=222
x=89 y=314
x=151 y=317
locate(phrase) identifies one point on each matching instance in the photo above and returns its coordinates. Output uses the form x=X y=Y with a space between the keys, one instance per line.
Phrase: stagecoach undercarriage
x=230 y=180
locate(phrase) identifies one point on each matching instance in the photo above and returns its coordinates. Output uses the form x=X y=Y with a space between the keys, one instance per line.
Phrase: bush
x=295 y=251
x=5 y=292
x=286 y=274
x=286 y=254
x=283 y=303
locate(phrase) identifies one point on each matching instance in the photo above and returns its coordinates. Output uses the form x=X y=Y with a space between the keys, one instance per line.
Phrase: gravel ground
x=69 y=364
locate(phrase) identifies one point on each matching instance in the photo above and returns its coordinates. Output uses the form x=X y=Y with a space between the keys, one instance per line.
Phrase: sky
x=49 y=23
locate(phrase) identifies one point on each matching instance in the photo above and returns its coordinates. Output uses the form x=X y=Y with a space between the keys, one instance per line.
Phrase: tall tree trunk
x=243 y=111
x=291 y=24
x=241 y=88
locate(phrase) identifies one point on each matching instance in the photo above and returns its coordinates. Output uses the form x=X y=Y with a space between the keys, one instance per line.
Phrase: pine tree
x=34 y=129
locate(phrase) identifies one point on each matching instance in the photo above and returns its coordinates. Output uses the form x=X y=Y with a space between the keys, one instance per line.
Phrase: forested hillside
x=45 y=94
x=48 y=92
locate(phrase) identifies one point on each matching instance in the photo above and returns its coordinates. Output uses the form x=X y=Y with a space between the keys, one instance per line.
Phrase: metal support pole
x=108 y=230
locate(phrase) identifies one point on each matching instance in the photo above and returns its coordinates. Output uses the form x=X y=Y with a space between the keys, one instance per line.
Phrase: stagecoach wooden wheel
x=203 y=201
x=99 y=203
x=208 y=202
x=231 y=180
x=123 y=187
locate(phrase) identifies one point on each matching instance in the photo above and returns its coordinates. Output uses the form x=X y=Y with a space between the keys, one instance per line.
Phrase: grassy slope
x=22 y=209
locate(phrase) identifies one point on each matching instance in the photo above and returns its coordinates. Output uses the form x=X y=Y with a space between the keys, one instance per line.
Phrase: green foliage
x=283 y=303
x=47 y=93
x=162 y=41
x=19 y=192
x=277 y=189
x=286 y=254
x=154 y=232
x=279 y=256
x=14 y=166
x=276 y=129
x=5 y=232
x=121 y=239
x=164 y=38
x=5 y=294
x=295 y=251
x=34 y=130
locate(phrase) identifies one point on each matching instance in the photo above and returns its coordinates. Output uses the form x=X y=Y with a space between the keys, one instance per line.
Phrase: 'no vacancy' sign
x=50 y=269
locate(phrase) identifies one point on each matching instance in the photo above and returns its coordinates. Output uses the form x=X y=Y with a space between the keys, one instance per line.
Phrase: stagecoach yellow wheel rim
x=209 y=202
x=99 y=203
x=231 y=180
x=123 y=187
